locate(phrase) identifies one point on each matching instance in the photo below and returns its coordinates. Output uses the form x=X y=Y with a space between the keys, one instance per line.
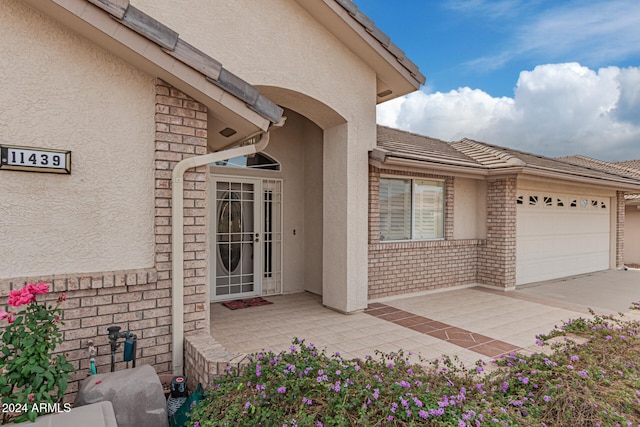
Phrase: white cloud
x=557 y=110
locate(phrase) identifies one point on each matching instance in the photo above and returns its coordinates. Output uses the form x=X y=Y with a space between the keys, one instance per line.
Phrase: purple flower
x=423 y=414
x=547 y=398
x=258 y=370
x=574 y=358
x=282 y=390
x=196 y=424
x=569 y=367
x=376 y=393
x=583 y=374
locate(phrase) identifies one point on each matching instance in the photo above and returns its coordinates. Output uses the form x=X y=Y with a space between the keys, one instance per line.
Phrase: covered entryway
x=559 y=235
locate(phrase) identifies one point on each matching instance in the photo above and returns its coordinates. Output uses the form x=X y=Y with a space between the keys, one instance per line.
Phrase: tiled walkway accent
x=461 y=337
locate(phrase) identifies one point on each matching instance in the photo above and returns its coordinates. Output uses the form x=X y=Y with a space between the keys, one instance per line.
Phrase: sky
x=550 y=77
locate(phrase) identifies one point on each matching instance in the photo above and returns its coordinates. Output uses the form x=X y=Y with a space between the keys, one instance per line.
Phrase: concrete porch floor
x=472 y=323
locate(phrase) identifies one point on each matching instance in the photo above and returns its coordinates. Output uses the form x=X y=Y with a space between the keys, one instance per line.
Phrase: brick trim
x=497 y=262
x=181 y=132
x=84 y=281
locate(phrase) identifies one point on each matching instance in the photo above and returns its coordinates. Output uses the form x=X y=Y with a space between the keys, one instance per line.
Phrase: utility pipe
x=177 y=236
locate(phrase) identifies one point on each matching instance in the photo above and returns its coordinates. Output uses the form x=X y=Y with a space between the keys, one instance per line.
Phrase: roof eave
x=620 y=185
x=396 y=74
x=102 y=27
x=394 y=162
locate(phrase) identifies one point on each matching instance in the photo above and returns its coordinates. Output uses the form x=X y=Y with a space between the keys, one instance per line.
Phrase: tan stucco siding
x=470 y=209
x=60 y=91
x=277 y=43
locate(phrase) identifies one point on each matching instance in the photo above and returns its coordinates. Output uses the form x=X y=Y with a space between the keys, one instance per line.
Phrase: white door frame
x=257 y=234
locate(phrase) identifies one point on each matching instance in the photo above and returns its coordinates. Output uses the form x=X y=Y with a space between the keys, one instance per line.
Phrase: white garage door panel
x=555 y=241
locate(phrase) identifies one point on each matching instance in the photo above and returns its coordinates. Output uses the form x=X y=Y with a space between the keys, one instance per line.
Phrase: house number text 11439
x=30 y=159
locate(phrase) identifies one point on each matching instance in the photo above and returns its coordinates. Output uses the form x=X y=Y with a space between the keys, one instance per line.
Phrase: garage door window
x=411 y=209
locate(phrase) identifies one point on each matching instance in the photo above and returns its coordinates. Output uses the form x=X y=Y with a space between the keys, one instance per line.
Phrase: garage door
x=560 y=235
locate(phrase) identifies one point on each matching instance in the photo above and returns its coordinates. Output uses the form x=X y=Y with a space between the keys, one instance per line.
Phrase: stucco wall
x=470 y=213
x=59 y=91
x=277 y=43
x=299 y=64
x=632 y=235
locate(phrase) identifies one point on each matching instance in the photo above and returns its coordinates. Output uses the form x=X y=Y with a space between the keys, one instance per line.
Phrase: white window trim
x=444 y=208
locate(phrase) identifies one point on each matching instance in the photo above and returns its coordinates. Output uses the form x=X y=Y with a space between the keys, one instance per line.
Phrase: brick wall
x=140 y=300
x=497 y=261
x=621 y=208
x=405 y=267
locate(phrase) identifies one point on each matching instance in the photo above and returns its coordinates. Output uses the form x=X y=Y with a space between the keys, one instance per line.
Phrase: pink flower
x=3 y=314
x=30 y=397
x=62 y=297
x=20 y=297
x=27 y=294
x=39 y=289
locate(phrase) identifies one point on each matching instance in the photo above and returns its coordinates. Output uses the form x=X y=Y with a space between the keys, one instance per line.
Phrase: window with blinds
x=411 y=209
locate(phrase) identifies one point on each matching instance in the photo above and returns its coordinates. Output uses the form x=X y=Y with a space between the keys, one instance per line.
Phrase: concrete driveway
x=610 y=291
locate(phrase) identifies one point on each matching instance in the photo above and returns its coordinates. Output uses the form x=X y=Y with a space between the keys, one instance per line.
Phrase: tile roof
x=487 y=154
x=622 y=168
x=482 y=156
x=384 y=40
x=170 y=42
x=633 y=164
x=399 y=143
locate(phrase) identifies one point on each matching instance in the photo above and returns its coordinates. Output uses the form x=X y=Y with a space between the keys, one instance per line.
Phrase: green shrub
x=593 y=383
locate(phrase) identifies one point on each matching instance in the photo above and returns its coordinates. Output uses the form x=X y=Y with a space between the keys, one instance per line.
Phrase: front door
x=236 y=252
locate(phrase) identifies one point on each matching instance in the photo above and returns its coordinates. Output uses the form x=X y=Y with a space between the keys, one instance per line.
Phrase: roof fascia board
x=610 y=183
x=397 y=163
x=346 y=28
x=102 y=29
x=400 y=164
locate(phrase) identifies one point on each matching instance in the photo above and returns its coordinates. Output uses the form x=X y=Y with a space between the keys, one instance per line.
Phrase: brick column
x=181 y=132
x=620 y=213
x=497 y=263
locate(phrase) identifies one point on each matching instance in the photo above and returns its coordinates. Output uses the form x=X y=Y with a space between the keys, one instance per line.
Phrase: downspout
x=177 y=236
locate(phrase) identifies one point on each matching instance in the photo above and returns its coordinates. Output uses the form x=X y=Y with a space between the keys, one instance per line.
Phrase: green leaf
x=62 y=386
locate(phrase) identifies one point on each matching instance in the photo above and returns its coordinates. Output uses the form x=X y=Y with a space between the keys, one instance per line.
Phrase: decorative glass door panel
x=246 y=237
x=236 y=249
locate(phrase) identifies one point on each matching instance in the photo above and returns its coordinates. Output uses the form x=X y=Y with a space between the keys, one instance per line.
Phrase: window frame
x=442 y=183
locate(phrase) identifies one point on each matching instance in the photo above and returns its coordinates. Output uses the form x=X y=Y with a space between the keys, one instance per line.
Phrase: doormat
x=244 y=303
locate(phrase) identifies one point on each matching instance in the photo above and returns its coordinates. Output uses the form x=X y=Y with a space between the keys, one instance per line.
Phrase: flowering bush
x=31 y=375
x=594 y=383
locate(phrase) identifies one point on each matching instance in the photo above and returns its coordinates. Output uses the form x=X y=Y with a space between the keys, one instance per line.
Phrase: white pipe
x=177 y=237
